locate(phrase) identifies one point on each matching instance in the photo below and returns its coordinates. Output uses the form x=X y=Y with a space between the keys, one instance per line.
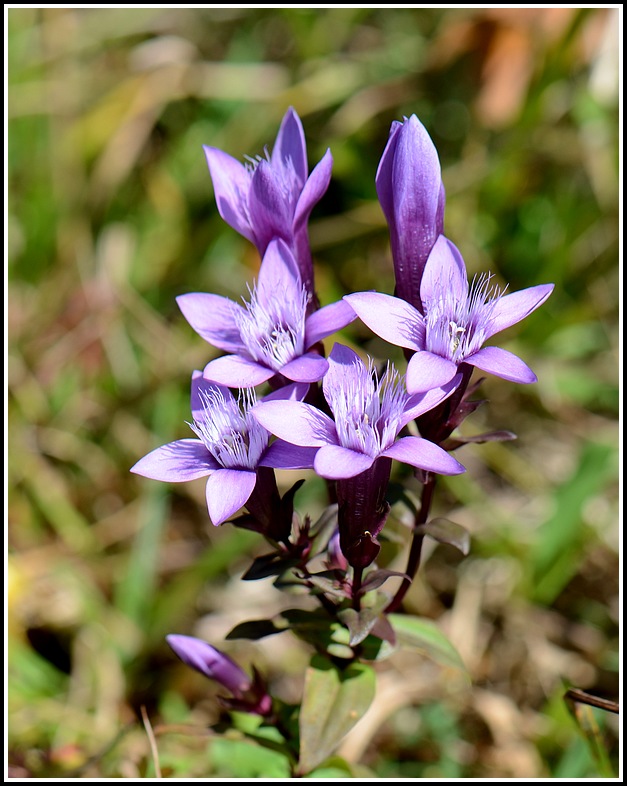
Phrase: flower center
x=456 y=328
x=228 y=430
x=367 y=409
x=273 y=327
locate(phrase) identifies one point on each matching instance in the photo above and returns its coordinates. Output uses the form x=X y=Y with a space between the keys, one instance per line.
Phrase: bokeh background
x=111 y=215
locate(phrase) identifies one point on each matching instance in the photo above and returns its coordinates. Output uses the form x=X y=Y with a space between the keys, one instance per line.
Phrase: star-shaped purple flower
x=368 y=412
x=457 y=320
x=230 y=448
x=271 y=334
x=273 y=197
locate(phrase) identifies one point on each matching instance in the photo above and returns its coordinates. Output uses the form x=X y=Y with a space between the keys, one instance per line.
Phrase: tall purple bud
x=411 y=193
x=249 y=695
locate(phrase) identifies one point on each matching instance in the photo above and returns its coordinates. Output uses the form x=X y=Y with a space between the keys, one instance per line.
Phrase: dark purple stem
x=415 y=551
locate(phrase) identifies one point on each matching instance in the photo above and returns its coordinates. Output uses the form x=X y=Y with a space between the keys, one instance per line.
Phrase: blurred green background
x=111 y=215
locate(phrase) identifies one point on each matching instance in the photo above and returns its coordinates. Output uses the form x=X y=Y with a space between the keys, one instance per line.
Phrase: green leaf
x=243 y=759
x=333 y=701
x=254 y=629
x=359 y=623
x=425 y=636
x=445 y=531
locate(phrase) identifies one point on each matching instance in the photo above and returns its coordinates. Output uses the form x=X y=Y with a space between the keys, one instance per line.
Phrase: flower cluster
x=338 y=415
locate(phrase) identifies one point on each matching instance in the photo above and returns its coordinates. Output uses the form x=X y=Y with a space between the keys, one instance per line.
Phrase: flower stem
x=415 y=551
x=356 y=588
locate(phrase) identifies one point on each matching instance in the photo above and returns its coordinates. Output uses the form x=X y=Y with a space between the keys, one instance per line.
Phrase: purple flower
x=269 y=335
x=456 y=321
x=357 y=447
x=249 y=694
x=230 y=448
x=273 y=197
x=368 y=412
x=411 y=193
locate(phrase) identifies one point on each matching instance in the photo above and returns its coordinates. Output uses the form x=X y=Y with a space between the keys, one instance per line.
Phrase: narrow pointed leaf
x=445 y=531
x=333 y=701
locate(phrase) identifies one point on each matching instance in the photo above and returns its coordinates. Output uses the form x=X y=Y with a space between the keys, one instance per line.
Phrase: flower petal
x=199 y=383
x=227 y=491
x=336 y=462
x=278 y=275
x=313 y=191
x=236 y=371
x=423 y=402
x=212 y=317
x=424 y=454
x=290 y=144
x=513 y=308
x=296 y=391
x=297 y=423
x=426 y=371
x=309 y=367
x=328 y=320
x=283 y=455
x=176 y=462
x=210 y=661
x=231 y=185
x=383 y=179
x=270 y=210
x=502 y=364
x=389 y=317
x=445 y=272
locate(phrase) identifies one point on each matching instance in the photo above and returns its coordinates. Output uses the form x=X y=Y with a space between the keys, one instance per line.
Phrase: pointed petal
x=383 y=179
x=423 y=402
x=389 y=317
x=444 y=271
x=270 y=211
x=212 y=317
x=199 y=383
x=336 y=462
x=313 y=191
x=290 y=144
x=306 y=368
x=236 y=371
x=176 y=462
x=228 y=490
x=425 y=455
x=283 y=455
x=278 y=275
x=502 y=364
x=426 y=371
x=513 y=308
x=296 y=391
x=328 y=320
x=300 y=424
x=231 y=184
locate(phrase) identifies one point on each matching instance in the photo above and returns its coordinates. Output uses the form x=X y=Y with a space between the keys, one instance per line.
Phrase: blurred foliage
x=111 y=215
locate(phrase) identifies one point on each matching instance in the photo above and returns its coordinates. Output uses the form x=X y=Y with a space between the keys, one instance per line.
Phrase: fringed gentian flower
x=457 y=320
x=273 y=197
x=411 y=193
x=271 y=334
x=356 y=448
x=249 y=695
x=232 y=450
